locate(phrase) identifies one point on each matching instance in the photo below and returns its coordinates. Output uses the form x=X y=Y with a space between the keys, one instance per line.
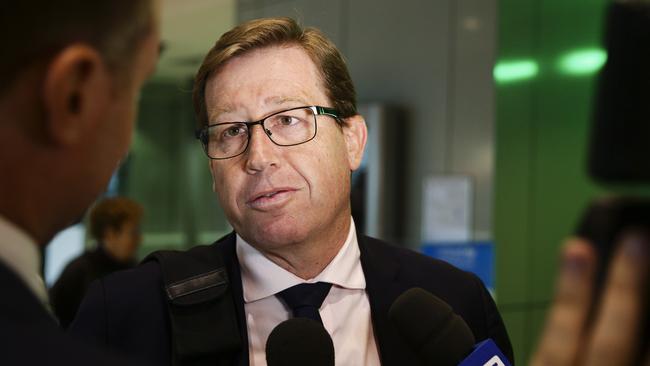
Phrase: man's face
x=279 y=195
x=125 y=240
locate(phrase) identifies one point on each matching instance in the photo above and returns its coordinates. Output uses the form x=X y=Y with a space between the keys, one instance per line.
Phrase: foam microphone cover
x=299 y=341
x=430 y=327
x=619 y=148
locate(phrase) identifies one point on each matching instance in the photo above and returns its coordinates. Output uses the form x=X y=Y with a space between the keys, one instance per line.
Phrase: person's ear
x=76 y=91
x=355 y=133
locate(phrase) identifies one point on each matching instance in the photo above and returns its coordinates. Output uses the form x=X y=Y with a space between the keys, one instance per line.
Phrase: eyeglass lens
x=286 y=128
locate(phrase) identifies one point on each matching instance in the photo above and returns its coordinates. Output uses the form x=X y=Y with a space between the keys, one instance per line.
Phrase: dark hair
x=35 y=30
x=267 y=32
x=112 y=213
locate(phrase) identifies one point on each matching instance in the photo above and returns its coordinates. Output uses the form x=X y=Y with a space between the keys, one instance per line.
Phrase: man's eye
x=287 y=120
x=234 y=131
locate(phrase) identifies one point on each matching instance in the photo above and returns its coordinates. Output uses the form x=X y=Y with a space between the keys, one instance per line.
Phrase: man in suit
x=114 y=223
x=70 y=74
x=277 y=113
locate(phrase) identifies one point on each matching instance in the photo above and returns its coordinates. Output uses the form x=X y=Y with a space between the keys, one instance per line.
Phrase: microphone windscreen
x=430 y=327
x=299 y=341
x=619 y=147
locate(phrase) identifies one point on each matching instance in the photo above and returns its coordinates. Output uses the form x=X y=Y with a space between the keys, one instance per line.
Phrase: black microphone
x=432 y=329
x=299 y=341
x=438 y=335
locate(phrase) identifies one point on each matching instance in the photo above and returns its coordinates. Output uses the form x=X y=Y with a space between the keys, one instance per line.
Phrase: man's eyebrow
x=282 y=100
x=215 y=112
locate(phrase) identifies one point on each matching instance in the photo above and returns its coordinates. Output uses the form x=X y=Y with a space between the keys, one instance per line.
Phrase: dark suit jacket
x=127 y=310
x=31 y=336
x=70 y=288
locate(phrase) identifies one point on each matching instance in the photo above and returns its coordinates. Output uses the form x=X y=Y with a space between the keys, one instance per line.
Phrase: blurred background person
x=115 y=227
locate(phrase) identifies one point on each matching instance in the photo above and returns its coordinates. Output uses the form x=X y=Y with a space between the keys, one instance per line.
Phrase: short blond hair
x=267 y=32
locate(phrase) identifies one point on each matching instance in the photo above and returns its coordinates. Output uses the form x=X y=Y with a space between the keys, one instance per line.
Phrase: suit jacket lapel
x=19 y=303
x=227 y=247
x=382 y=284
x=383 y=287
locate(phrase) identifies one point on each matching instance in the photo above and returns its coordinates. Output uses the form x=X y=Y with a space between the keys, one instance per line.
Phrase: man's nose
x=262 y=152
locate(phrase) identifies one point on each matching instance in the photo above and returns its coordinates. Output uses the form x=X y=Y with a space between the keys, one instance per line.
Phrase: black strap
x=202 y=314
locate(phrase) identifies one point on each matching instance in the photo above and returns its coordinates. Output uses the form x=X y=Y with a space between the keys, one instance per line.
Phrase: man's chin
x=275 y=236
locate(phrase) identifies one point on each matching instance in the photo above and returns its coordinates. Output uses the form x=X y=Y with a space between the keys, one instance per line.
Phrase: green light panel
x=513 y=71
x=582 y=62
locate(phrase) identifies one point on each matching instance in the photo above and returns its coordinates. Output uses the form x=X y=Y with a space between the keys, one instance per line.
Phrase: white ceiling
x=189 y=29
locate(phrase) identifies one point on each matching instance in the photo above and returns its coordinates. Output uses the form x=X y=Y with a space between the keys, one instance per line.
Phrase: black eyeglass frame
x=202 y=133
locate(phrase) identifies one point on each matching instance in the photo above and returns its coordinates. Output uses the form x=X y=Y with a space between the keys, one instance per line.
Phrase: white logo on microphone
x=494 y=361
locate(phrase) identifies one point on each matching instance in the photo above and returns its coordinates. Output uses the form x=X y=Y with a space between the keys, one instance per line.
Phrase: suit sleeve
x=495 y=327
x=67 y=292
x=91 y=322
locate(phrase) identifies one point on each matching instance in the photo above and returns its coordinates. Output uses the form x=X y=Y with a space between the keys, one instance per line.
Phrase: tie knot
x=306 y=298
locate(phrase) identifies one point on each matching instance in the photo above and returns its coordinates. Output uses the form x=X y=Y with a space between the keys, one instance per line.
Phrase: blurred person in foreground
x=278 y=121
x=115 y=227
x=70 y=74
x=581 y=331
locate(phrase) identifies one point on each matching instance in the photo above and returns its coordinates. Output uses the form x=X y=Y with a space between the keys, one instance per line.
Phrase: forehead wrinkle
x=254 y=88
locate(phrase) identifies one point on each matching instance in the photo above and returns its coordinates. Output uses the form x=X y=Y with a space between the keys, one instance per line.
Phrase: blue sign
x=476 y=257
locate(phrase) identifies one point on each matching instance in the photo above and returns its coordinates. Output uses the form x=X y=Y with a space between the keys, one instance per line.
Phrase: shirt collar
x=20 y=253
x=262 y=278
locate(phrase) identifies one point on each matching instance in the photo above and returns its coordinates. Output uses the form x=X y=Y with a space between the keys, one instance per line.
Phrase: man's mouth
x=268 y=195
x=270 y=199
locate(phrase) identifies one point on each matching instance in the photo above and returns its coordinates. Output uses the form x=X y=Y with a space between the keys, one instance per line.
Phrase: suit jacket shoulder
x=391 y=270
x=127 y=311
x=30 y=336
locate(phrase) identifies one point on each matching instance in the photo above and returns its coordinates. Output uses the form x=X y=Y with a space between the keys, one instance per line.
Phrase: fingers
x=620 y=315
x=562 y=338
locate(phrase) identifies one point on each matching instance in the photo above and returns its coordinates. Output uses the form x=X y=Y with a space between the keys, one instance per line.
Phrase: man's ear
x=76 y=89
x=355 y=133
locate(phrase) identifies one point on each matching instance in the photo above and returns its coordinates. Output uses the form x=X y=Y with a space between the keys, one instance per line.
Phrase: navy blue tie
x=305 y=299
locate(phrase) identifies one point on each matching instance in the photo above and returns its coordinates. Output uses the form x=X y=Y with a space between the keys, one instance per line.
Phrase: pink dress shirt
x=345 y=310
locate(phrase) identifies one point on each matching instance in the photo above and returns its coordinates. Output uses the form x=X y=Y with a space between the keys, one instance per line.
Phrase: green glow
x=582 y=62
x=516 y=70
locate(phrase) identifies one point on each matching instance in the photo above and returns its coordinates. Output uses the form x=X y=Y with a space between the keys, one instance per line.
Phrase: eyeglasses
x=290 y=127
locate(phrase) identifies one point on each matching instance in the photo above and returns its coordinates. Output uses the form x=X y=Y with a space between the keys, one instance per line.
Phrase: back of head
x=32 y=31
x=272 y=32
x=70 y=73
